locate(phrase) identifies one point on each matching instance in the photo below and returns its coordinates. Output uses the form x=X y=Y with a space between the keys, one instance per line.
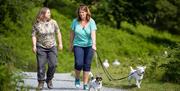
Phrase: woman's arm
x=71 y=40
x=59 y=37
x=93 y=36
x=34 y=43
x=60 y=46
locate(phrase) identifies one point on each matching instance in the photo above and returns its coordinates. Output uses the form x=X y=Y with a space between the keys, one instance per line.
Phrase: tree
x=45 y=3
x=12 y=11
x=126 y=10
x=161 y=14
x=172 y=67
x=167 y=15
x=87 y=2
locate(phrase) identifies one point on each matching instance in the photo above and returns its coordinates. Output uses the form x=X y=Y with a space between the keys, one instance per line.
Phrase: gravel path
x=61 y=82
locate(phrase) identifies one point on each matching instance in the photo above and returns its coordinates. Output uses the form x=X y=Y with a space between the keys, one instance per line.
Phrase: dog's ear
x=138 y=67
x=131 y=68
x=100 y=78
x=144 y=67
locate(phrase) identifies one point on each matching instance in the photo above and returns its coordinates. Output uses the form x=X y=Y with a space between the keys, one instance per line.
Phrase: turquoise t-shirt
x=82 y=36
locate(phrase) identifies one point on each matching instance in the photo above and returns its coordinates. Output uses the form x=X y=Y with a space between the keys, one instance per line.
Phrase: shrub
x=8 y=77
x=172 y=68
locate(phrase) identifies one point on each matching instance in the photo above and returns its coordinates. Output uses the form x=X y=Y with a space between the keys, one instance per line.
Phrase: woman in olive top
x=44 y=46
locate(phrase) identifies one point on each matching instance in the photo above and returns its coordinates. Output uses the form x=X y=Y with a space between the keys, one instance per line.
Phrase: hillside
x=132 y=45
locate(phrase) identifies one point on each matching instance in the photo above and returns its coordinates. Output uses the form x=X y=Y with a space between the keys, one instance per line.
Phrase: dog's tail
x=91 y=75
x=131 y=68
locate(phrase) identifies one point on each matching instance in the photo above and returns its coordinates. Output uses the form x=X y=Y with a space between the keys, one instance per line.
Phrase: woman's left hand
x=60 y=46
x=94 y=47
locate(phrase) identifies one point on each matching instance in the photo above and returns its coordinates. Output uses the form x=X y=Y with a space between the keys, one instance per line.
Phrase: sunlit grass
x=121 y=71
x=132 y=45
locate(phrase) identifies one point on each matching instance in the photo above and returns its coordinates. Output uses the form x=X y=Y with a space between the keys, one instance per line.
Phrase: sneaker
x=40 y=85
x=77 y=83
x=49 y=84
x=85 y=87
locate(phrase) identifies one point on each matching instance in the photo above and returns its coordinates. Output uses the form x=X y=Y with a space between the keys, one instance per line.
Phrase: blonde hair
x=41 y=15
x=86 y=9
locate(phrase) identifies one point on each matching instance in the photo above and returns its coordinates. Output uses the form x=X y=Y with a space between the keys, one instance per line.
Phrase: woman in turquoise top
x=83 y=43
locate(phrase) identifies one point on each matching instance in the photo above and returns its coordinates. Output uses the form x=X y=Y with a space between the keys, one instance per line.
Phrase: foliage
x=12 y=11
x=161 y=14
x=87 y=2
x=8 y=79
x=65 y=7
x=172 y=73
x=167 y=15
x=133 y=44
x=11 y=21
x=6 y=54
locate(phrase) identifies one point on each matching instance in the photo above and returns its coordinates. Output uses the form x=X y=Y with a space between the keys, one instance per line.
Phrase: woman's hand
x=34 y=49
x=71 y=48
x=60 y=46
x=94 y=47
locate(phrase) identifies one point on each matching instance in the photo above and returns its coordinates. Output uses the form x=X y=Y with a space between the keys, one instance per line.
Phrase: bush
x=8 y=77
x=172 y=68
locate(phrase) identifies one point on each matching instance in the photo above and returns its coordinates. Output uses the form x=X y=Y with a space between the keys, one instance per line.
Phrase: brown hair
x=41 y=14
x=86 y=9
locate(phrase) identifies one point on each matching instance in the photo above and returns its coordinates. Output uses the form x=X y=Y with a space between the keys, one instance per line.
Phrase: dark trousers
x=83 y=57
x=44 y=56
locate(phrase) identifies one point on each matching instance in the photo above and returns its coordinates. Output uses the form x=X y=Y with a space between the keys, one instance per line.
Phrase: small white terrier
x=95 y=83
x=137 y=74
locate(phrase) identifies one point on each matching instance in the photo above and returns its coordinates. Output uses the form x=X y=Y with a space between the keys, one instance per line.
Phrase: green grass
x=147 y=84
x=132 y=45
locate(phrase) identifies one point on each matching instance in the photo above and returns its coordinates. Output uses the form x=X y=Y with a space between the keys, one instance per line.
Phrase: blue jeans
x=83 y=57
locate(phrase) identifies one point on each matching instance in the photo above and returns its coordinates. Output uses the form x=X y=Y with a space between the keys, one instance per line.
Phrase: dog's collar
x=137 y=73
x=96 y=81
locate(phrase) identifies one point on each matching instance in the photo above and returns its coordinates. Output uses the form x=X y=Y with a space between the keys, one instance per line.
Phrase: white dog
x=137 y=74
x=95 y=83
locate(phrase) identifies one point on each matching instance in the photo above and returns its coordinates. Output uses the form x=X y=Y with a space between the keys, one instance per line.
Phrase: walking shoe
x=40 y=85
x=49 y=84
x=77 y=83
x=85 y=87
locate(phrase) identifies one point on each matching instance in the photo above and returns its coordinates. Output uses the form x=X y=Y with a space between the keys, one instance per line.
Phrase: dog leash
x=97 y=64
x=106 y=71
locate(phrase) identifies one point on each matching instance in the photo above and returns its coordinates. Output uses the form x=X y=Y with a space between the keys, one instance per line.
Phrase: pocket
x=54 y=50
x=38 y=50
